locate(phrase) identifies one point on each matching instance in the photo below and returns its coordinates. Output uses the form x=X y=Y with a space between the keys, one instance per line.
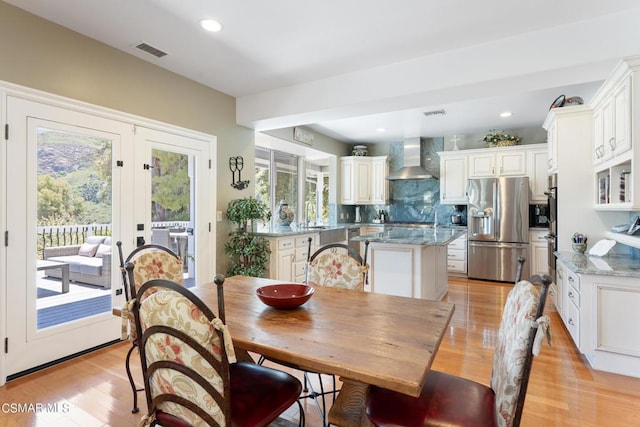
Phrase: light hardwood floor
x=563 y=390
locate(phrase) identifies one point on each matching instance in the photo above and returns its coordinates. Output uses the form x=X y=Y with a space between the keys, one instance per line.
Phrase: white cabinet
x=289 y=255
x=538 y=250
x=497 y=163
x=552 y=145
x=522 y=160
x=600 y=313
x=379 y=183
x=453 y=178
x=416 y=271
x=537 y=164
x=614 y=155
x=457 y=256
x=363 y=180
x=612 y=123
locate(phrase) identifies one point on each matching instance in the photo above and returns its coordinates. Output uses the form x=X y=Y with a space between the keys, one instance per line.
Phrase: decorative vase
x=285 y=215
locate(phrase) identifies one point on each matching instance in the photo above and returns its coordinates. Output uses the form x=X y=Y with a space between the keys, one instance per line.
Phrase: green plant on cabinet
x=249 y=253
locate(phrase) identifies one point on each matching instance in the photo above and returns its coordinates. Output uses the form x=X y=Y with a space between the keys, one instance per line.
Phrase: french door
x=177 y=198
x=63 y=191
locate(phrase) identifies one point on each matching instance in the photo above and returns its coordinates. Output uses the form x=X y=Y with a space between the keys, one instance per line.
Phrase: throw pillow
x=87 y=249
x=103 y=250
x=95 y=240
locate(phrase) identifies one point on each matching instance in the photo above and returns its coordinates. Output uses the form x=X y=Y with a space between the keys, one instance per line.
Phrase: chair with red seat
x=149 y=262
x=454 y=401
x=189 y=368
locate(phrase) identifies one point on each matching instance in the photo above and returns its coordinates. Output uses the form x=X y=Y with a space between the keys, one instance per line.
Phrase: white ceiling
x=346 y=68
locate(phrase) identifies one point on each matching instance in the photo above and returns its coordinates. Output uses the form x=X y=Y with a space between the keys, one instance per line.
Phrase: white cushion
x=103 y=250
x=88 y=250
x=95 y=240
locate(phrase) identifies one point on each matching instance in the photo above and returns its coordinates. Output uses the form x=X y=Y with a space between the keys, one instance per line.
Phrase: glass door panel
x=171 y=205
x=73 y=225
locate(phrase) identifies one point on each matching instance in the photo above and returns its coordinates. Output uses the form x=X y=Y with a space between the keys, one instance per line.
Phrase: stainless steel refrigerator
x=497 y=227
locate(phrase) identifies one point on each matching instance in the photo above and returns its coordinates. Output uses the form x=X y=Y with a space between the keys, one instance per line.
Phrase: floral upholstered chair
x=146 y=262
x=337 y=265
x=190 y=372
x=454 y=401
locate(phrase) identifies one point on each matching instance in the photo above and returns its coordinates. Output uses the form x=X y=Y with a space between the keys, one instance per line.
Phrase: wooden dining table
x=383 y=340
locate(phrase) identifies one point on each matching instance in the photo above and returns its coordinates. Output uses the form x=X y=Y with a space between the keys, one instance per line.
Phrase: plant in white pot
x=249 y=253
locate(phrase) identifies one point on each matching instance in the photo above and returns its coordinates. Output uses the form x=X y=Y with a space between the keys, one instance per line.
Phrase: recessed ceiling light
x=211 y=25
x=380 y=130
x=506 y=114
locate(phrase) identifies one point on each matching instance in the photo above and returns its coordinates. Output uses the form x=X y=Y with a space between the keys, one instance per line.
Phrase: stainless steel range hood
x=412 y=168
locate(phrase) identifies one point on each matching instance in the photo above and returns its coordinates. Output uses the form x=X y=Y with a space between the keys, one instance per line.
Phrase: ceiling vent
x=150 y=49
x=434 y=112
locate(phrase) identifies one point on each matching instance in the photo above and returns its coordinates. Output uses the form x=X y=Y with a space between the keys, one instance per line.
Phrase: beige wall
x=39 y=54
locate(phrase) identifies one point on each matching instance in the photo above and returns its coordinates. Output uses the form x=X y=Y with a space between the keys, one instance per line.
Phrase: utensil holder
x=579 y=247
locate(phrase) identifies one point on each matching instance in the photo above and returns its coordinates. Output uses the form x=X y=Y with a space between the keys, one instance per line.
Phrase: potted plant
x=249 y=253
x=500 y=139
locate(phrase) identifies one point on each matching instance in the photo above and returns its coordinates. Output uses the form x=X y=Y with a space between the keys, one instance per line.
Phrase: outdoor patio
x=82 y=300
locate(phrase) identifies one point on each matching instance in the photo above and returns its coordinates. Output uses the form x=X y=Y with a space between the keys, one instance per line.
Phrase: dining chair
x=147 y=262
x=454 y=401
x=334 y=265
x=337 y=265
x=190 y=372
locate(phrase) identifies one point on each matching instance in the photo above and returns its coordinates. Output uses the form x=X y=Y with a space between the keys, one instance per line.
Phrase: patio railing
x=67 y=235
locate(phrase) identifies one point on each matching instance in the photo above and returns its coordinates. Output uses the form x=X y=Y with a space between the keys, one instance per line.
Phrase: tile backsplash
x=411 y=200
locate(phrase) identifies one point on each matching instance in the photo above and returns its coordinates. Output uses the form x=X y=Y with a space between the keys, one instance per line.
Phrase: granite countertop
x=610 y=265
x=277 y=231
x=425 y=236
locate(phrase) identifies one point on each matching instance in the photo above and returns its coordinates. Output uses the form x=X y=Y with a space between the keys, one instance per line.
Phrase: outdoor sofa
x=88 y=263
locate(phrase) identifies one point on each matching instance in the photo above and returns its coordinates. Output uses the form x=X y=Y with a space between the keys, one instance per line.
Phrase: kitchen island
x=409 y=261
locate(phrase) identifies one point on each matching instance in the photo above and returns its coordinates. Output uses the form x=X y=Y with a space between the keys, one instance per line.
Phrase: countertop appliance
x=498 y=227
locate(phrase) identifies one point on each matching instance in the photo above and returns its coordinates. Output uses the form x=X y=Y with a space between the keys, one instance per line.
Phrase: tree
x=57 y=203
x=171 y=186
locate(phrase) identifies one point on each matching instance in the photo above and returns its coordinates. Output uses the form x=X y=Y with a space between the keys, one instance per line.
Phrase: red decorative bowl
x=285 y=295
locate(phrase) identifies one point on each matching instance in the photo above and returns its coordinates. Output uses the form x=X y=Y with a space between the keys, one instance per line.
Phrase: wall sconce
x=235 y=165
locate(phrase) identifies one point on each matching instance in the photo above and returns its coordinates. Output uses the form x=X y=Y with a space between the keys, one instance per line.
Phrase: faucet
x=435 y=213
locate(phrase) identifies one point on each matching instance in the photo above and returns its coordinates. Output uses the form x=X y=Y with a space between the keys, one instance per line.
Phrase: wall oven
x=552 y=237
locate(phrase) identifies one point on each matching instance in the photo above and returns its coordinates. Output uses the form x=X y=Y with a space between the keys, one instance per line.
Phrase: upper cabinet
x=521 y=160
x=497 y=163
x=612 y=123
x=453 y=177
x=363 y=180
x=614 y=154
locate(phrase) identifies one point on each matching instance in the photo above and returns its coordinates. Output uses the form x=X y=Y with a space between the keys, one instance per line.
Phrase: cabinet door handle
x=571 y=295
x=570 y=321
x=570 y=279
x=612 y=143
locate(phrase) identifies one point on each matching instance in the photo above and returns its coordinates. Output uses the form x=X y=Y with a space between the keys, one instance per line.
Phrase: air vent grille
x=434 y=112
x=150 y=49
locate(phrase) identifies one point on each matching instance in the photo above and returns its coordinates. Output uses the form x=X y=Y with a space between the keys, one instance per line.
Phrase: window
x=316 y=202
x=273 y=188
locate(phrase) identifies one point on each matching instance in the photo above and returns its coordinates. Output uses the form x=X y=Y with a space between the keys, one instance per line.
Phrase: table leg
x=65 y=278
x=348 y=410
